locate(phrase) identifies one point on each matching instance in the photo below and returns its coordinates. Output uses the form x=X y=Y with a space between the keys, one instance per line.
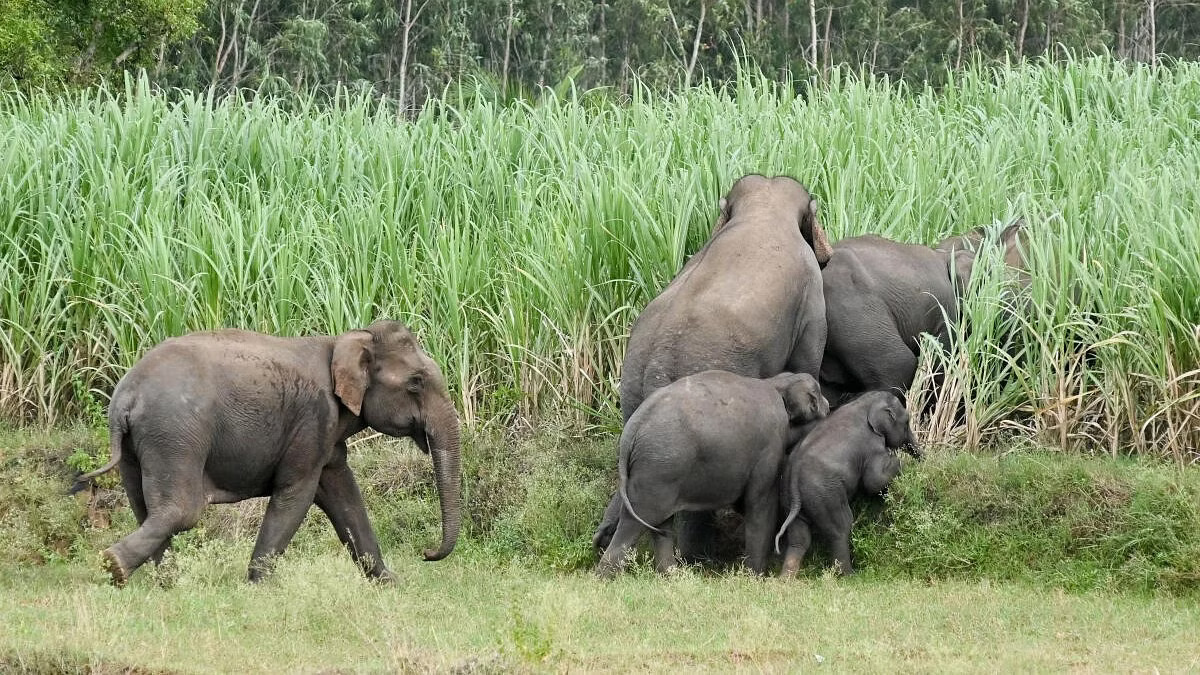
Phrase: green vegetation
x=464 y=616
x=520 y=242
x=517 y=595
x=408 y=51
x=1041 y=518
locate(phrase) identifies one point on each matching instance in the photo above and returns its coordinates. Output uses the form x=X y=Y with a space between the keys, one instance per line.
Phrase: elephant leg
x=762 y=517
x=799 y=538
x=613 y=560
x=162 y=507
x=834 y=519
x=879 y=472
x=872 y=356
x=131 y=480
x=891 y=368
x=339 y=497
x=697 y=536
x=664 y=548
x=608 y=524
x=807 y=355
x=285 y=511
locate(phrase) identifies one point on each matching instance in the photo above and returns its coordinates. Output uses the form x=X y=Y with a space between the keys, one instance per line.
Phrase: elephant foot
x=115 y=570
x=602 y=538
x=606 y=571
x=791 y=565
x=384 y=577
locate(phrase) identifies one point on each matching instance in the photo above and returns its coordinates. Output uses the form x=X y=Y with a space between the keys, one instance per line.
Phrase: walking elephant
x=749 y=303
x=880 y=295
x=705 y=441
x=224 y=416
x=847 y=453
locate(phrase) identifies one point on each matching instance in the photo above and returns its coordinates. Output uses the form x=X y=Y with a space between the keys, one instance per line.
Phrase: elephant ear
x=814 y=234
x=882 y=417
x=725 y=210
x=959 y=265
x=800 y=395
x=352 y=354
x=1014 y=242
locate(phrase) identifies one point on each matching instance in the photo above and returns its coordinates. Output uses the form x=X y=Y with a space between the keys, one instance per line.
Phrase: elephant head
x=962 y=249
x=382 y=376
x=779 y=194
x=801 y=397
x=888 y=418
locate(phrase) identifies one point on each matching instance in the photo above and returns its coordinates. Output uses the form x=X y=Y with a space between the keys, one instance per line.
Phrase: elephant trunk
x=446 y=451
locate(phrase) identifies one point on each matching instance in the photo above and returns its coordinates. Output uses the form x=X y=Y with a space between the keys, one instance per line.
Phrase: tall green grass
x=520 y=242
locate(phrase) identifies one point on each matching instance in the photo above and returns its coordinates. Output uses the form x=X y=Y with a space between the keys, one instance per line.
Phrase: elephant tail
x=623 y=478
x=117 y=428
x=794 y=500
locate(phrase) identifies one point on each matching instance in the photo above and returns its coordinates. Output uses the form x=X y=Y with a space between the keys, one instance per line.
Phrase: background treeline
x=408 y=50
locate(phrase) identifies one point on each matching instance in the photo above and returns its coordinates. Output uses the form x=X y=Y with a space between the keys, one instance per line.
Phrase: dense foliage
x=520 y=242
x=408 y=50
x=1049 y=519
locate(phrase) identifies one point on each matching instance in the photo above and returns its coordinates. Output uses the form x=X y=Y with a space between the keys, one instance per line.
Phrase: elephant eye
x=416 y=383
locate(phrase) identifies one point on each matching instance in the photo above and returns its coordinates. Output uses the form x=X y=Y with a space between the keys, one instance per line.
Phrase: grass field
x=1031 y=561
x=472 y=615
x=520 y=242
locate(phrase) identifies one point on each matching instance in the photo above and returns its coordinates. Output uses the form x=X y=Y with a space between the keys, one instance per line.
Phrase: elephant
x=219 y=417
x=749 y=302
x=705 y=441
x=843 y=454
x=880 y=295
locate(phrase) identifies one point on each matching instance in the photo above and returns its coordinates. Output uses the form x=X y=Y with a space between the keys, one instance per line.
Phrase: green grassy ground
x=473 y=615
x=1028 y=561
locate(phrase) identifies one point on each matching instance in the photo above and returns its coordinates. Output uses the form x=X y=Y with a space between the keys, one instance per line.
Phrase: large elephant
x=749 y=302
x=224 y=416
x=705 y=441
x=880 y=295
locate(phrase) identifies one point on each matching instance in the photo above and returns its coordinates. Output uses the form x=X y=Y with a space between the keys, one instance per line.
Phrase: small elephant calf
x=703 y=442
x=841 y=455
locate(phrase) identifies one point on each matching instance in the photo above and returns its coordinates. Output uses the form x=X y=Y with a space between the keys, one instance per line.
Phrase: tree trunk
x=875 y=43
x=687 y=79
x=1021 y=30
x=507 y=42
x=787 y=23
x=1121 y=53
x=1151 y=4
x=825 y=48
x=812 y=32
x=404 y=58
x=961 y=35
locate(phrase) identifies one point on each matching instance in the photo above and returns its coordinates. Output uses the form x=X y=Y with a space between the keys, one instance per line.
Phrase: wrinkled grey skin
x=845 y=454
x=219 y=417
x=880 y=295
x=705 y=441
x=749 y=302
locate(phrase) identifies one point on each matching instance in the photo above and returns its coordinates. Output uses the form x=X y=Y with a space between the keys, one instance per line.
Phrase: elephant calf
x=843 y=454
x=706 y=441
x=220 y=417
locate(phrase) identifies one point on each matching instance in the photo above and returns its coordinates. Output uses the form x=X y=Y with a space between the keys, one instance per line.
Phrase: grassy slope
x=317 y=614
x=957 y=581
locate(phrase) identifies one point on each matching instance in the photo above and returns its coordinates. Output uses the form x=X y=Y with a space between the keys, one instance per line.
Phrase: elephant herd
x=766 y=298
x=726 y=392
